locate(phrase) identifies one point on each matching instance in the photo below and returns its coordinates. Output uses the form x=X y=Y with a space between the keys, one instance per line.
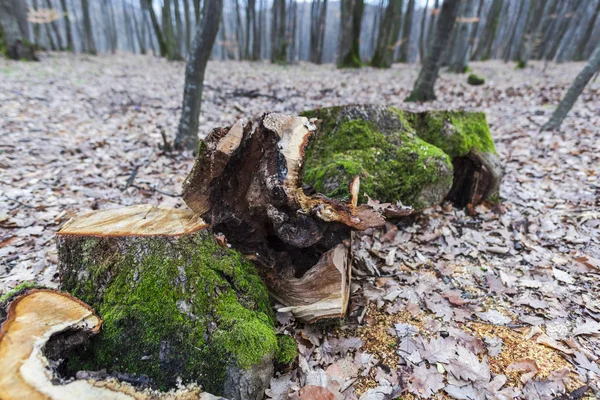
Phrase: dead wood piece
x=38 y=319
x=247 y=184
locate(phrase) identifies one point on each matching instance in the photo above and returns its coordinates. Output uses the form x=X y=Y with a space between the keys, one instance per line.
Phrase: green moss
x=394 y=165
x=475 y=80
x=179 y=308
x=455 y=132
x=287 y=349
x=352 y=60
x=521 y=64
x=17 y=290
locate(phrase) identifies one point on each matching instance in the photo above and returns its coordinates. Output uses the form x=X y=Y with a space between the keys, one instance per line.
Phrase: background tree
x=484 y=48
x=278 y=33
x=586 y=74
x=461 y=52
x=87 y=26
x=406 y=31
x=350 y=24
x=424 y=86
x=204 y=40
x=318 y=16
x=388 y=35
x=14 y=31
x=68 y=33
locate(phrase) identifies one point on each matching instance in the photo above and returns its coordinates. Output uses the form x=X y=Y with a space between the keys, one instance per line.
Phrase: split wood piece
x=42 y=320
x=247 y=185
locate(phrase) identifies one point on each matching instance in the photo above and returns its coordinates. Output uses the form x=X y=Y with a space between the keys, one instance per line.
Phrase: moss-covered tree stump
x=175 y=304
x=420 y=159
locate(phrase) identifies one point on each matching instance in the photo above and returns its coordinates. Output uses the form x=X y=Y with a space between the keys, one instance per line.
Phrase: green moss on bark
x=379 y=145
x=181 y=307
x=475 y=80
x=287 y=349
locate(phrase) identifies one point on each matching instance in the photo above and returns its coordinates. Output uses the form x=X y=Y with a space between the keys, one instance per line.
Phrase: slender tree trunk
x=423 y=32
x=350 y=25
x=204 y=39
x=293 y=30
x=146 y=22
x=173 y=47
x=406 y=31
x=424 y=86
x=128 y=28
x=278 y=33
x=484 y=50
x=14 y=31
x=388 y=35
x=534 y=22
x=188 y=27
x=256 y=32
x=197 y=11
x=70 y=45
x=87 y=25
x=179 y=26
x=160 y=36
x=576 y=31
x=36 y=27
x=239 y=40
x=250 y=29
x=462 y=49
x=114 y=41
x=55 y=28
x=140 y=33
x=513 y=32
x=317 y=30
x=560 y=29
x=432 y=23
x=586 y=74
x=548 y=20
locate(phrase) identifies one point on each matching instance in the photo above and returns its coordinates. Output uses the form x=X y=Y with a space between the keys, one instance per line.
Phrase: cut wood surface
x=42 y=318
x=247 y=184
x=141 y=220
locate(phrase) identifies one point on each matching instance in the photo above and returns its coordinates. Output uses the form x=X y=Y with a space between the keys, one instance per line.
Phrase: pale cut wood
x=32 y=319
x=142 y=220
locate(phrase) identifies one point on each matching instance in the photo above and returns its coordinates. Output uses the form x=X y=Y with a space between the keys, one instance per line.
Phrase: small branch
x=153 y=189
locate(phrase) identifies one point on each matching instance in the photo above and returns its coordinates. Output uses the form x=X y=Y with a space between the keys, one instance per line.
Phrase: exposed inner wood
x=35 y=319
x=141 y=220
x=250 y=189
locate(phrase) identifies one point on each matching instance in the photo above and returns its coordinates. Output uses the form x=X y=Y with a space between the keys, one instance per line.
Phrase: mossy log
x=420 y=159
x=41 y=324
x=247 y=184
x=175 y=303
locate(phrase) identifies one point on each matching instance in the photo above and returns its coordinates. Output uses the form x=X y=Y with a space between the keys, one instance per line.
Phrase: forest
x=300 y=200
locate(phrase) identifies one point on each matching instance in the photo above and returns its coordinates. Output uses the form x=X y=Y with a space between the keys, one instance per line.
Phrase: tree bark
x=534 y=23
x=586 y=74
x=206 y=32
x=140 y=33
x=406 y=32
x=484 y=49
x=423 y=32
x=317 y=30
x=424 y=86
x=388 y=35
x=350 y=26
x=188 y=26
x=462 y=49
x=87 y=25
x=179 y=26
x=431 y=30
x=278 y=33
x=14 y=30
x=65 y=10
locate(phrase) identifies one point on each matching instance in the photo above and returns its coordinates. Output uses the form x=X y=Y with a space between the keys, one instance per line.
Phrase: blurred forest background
x=511 y=30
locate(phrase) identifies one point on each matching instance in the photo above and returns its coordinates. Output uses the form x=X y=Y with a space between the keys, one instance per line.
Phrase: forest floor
x=495 y=302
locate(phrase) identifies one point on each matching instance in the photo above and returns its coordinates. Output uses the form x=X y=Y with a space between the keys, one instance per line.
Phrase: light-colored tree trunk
x=350 y=25
x=424 y=86
x=318 y=13
x=204 y=39
x=388 y=35
x=586 y=74
x=140 y=32
x=87 y=26
x=423 y=31
x=55 y=28
x=534 y=24
x=406 y=31
x=69 y=34
x=462 y=49
x=484 y=48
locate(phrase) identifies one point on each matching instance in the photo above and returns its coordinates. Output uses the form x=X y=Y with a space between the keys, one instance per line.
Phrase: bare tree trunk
x=462 y=49
x=292 y=31
x=70 y=45
x=424 y=87
x=54 y=26
x=423 y=32
x=432 y=23
x=179 y=26
x=258 y=33
x=36 y=27
x=87 y=25
x=388 y=35
x=548 y=21
x=204 y=40
x=278 y=33
x=514 y=32
x=140 y=33
x=239 y=40
x=560 y=28
x=534 y=22
x=350 y=25
x=318 y=11
x=160 y=36
x=484 y=49
x=14 y=30
x=146 y=23
x=576 y=31
x=406 y=30
x=586 y=74
x=128 y=29
x=197 y=11
x=188 y=26
x=586 y=39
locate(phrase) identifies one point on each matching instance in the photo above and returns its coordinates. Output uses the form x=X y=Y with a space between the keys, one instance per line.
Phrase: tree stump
x=41 y=323
x=175 y=303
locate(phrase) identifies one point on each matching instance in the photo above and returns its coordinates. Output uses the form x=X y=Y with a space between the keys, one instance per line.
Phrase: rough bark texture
x=206 y=32
x=175 y=303
x=424 y=87
x=14 y=31
x=586 y=74
x=247 y=185
x=388 y=35
x=416 y=158
x=350 y=24
x=41 y=324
